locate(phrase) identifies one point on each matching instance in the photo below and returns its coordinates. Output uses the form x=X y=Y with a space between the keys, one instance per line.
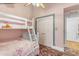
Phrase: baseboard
x=58 y=48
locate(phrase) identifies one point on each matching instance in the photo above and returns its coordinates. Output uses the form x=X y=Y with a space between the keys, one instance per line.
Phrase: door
x=45 y=27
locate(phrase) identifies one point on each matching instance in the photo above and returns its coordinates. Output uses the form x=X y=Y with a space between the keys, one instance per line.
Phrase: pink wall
x=17 y=9
x=58 y=10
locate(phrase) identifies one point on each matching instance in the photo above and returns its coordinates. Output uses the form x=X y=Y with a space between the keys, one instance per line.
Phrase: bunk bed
x=23 y=47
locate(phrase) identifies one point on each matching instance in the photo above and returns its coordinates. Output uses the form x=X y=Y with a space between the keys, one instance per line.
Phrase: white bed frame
x=14 y=21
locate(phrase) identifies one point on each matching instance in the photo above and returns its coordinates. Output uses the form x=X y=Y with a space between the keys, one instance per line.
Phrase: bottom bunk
x=19 y=48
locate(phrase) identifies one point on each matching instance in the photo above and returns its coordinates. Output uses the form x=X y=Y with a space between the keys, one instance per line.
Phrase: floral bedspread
x=18 y=48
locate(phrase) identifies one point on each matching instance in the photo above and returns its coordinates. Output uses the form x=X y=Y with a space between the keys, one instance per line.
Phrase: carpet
x=47 y=51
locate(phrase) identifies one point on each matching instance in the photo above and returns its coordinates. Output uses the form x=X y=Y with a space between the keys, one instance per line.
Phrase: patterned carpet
x=46 y=51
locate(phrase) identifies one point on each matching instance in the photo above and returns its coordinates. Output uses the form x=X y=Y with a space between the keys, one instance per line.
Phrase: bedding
x=18 y=48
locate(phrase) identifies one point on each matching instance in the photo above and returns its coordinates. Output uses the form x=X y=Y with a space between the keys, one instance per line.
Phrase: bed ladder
x=30 y=37
x=33 y=38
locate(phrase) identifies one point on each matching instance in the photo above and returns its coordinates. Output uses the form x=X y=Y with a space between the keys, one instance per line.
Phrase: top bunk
x=8 y=21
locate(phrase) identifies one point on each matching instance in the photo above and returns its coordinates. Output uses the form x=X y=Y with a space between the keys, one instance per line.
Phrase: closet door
x=46 y=30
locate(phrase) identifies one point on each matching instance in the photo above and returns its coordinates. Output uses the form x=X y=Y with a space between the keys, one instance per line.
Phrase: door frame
x=53 y=15
x=64 y=30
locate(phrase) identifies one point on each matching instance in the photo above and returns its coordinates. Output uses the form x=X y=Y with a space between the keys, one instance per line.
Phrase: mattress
x=17 y=48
